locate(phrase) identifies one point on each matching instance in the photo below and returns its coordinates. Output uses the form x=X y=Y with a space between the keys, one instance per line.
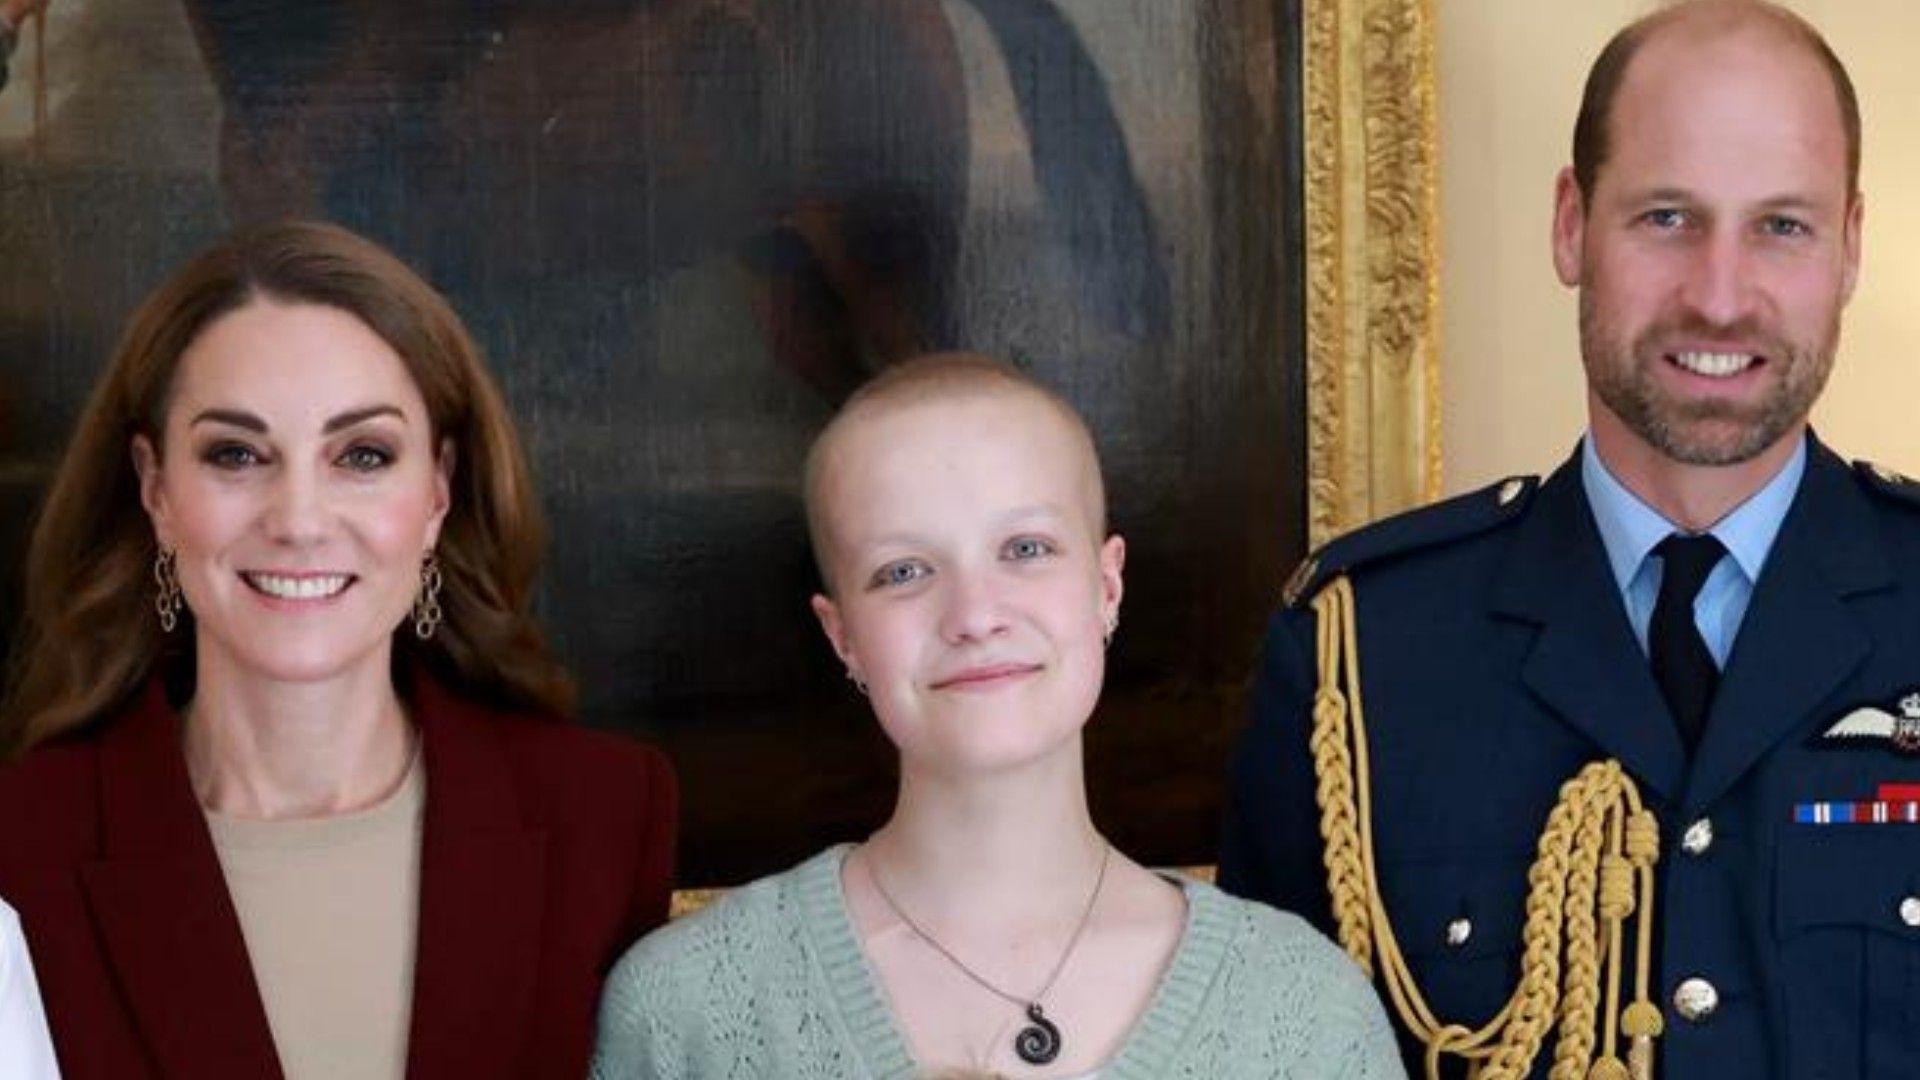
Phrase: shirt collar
x=1629 y=528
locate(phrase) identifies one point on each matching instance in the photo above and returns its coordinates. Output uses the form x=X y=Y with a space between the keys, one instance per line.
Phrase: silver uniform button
x=1910 y=911
x=1698 y=837
x=1460 y=930
x=1695 y=999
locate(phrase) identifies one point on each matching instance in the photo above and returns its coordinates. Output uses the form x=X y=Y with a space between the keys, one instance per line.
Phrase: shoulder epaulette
x=1427 y=526
x=1892 y=483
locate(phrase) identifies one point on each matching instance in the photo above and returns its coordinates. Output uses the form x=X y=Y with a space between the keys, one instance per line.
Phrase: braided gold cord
x=1592 y=871
x=1580 y=988
x=1641 y=1022
x=1339 y=823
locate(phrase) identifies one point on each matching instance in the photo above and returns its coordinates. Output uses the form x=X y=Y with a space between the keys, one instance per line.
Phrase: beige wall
x=1510 y=74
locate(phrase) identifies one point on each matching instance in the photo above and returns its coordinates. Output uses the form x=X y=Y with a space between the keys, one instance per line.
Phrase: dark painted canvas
x=684 y=230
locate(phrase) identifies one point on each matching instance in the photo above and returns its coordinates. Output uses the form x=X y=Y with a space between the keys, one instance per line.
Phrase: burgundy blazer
x=546 y=850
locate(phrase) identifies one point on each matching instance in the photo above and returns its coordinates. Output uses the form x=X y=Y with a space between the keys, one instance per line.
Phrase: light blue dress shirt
x=1630 y=529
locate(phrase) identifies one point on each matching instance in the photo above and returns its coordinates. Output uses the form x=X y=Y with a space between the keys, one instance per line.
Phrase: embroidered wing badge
x=1870 y=726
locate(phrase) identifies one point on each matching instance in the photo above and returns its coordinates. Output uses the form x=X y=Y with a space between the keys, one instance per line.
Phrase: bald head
x=1689 y=22
x=926 y=385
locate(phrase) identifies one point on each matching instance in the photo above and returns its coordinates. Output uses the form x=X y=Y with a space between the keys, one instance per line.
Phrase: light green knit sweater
x=770 y=983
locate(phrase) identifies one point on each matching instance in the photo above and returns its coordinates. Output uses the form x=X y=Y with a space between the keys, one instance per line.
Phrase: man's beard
x=1707 y=431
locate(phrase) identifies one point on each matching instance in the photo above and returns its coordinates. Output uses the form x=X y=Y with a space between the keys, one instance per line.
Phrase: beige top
x=329 y=908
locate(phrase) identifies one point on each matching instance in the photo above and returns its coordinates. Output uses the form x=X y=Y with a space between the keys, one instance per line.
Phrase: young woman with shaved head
x=988 y=928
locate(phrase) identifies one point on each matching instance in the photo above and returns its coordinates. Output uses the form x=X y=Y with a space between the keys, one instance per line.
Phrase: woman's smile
x=296 y=589
x=982 y=678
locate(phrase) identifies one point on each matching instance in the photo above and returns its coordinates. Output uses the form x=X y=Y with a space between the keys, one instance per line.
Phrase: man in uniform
x=1704 y=593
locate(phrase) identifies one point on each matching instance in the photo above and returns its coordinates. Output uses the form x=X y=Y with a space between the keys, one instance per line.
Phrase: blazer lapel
x=482 y=901
x=1798 y=642
x=1585 y=664
x=160 y=901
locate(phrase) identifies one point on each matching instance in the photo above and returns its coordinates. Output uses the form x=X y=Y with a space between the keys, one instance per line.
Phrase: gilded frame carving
x=1372 y=261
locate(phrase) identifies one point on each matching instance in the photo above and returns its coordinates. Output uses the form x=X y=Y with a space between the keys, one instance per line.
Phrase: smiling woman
x=291 y=309
x=988 y=928
x=302 y=495
x=281 y=686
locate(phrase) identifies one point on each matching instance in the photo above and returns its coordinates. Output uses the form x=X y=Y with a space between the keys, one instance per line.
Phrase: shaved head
x=924 y=383
x=1699 y=20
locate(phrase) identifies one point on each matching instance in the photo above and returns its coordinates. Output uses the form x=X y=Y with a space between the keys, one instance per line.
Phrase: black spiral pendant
x=1039 y=1042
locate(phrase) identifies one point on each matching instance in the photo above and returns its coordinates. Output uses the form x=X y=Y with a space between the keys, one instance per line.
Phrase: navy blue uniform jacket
x=1497 y=659
x=545 y=850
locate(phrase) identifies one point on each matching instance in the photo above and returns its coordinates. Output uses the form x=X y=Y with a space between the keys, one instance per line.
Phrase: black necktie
x=1681 y=663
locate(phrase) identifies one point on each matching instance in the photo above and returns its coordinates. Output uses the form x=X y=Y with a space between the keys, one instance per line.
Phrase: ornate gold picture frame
x=1372 y=265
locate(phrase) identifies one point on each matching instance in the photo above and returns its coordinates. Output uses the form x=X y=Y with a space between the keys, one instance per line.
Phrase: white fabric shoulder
x=26 y=1048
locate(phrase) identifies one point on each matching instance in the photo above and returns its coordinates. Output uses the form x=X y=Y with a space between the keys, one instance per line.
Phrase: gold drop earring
x=167 y=601
x=426 y=603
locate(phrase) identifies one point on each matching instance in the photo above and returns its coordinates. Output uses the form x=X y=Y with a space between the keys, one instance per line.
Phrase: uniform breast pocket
x=1458 y=921
x=1847 y=903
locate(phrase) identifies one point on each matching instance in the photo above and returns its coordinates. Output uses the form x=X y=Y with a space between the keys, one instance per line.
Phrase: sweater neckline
x=862 y=1005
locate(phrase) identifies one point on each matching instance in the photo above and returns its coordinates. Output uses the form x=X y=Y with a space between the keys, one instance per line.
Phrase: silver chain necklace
x=1039 y=1041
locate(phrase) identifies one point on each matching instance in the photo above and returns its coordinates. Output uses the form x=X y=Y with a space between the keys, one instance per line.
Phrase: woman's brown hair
x=89 y=636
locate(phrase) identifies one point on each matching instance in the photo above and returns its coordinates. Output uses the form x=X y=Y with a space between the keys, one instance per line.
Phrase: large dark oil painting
x=684 y=230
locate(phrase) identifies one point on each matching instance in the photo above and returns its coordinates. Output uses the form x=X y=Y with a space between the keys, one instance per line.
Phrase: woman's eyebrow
x=355 y=416
x=235 y=417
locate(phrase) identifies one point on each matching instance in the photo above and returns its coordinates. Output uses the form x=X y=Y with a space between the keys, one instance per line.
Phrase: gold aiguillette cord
x=1593 y=871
